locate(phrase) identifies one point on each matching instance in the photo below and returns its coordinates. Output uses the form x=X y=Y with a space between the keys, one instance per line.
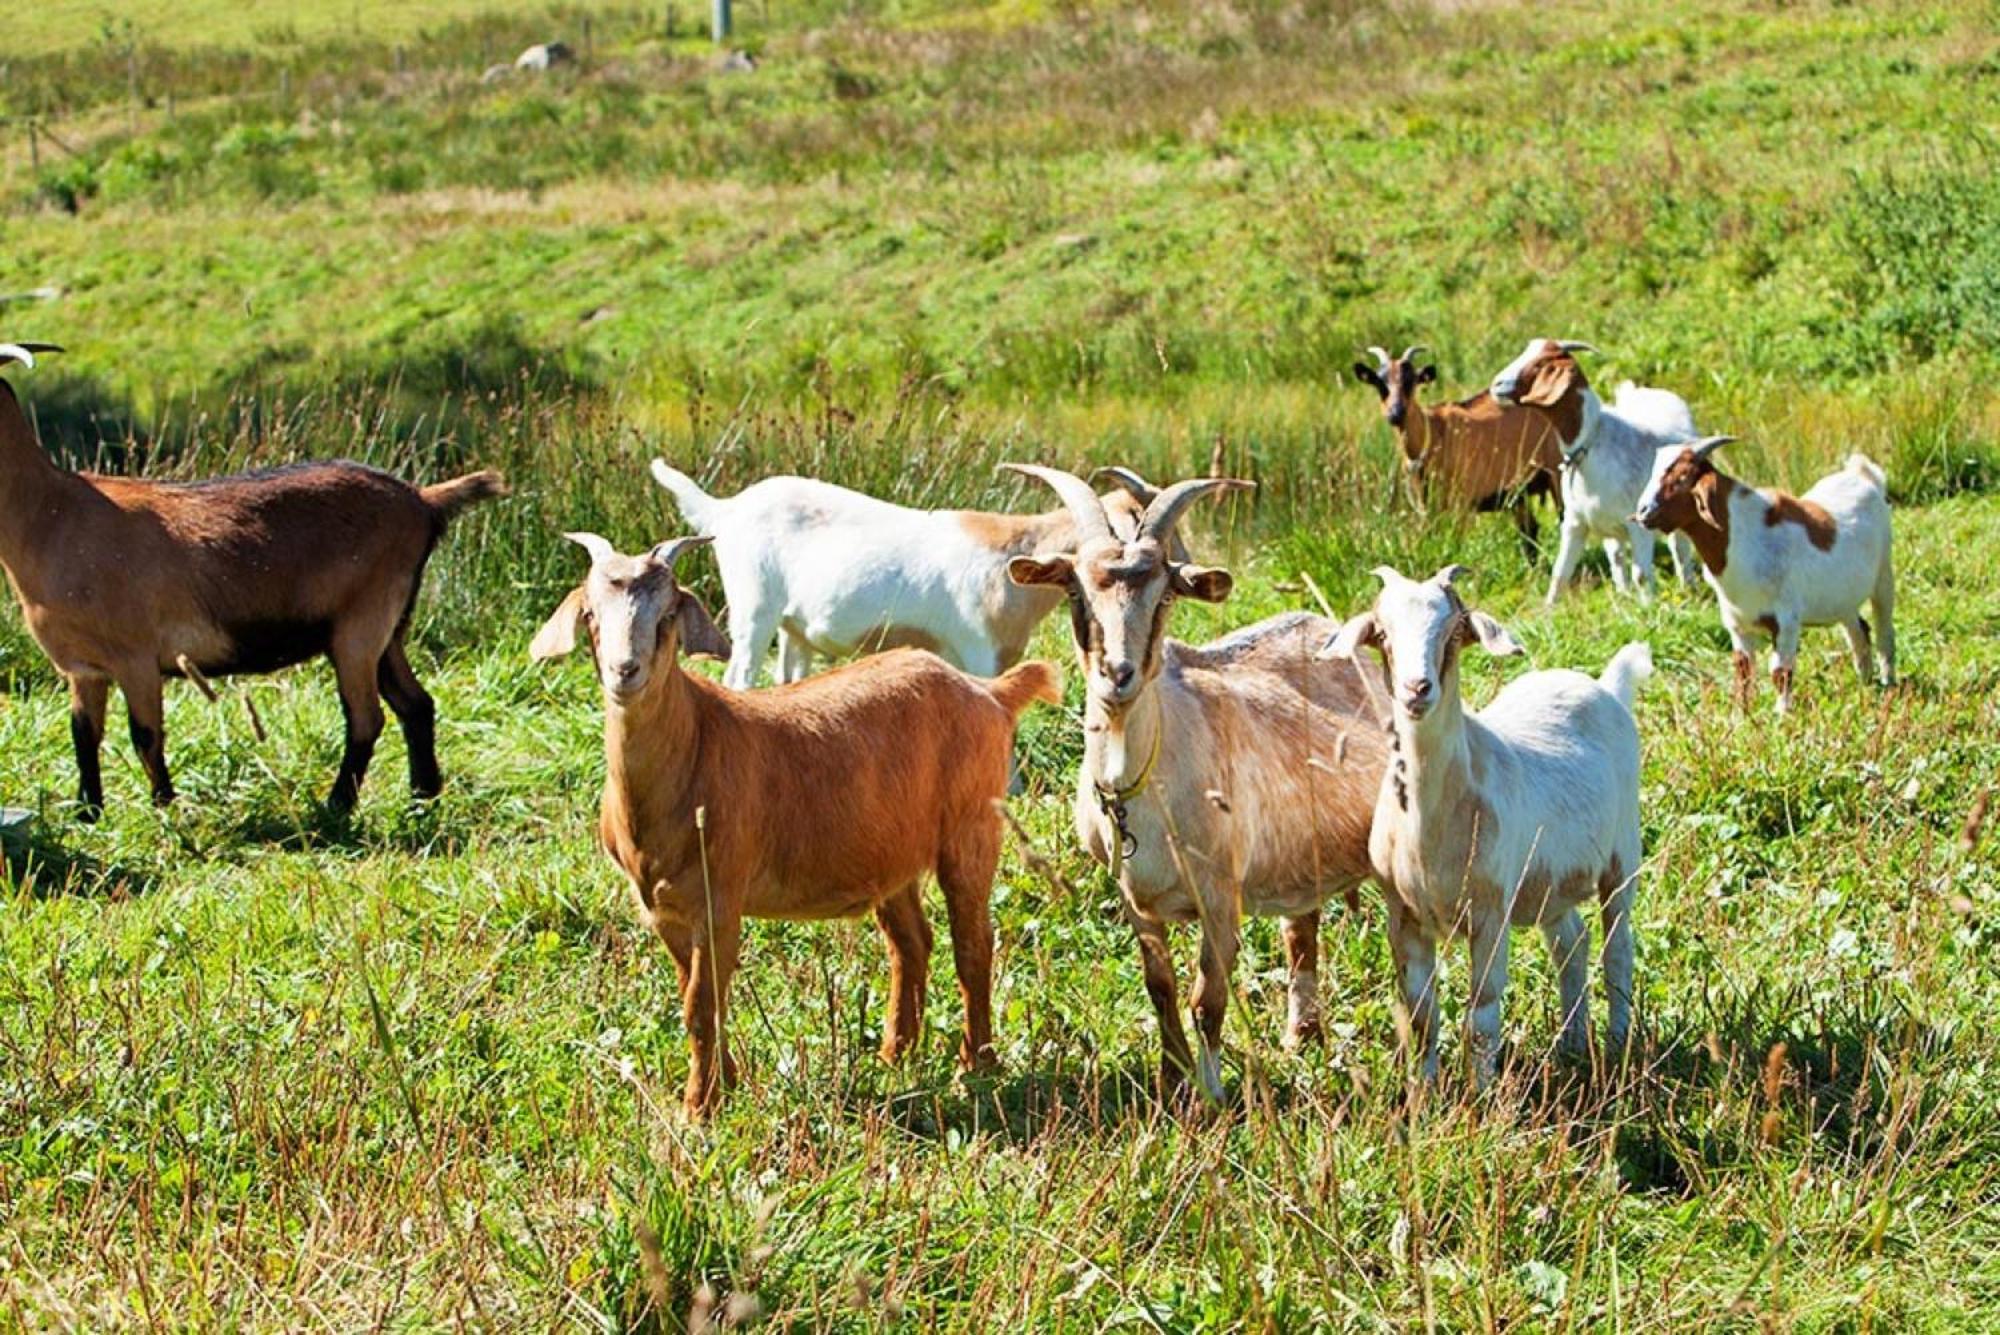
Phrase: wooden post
x=589 y=45
x=719 y=27
x=34 y=146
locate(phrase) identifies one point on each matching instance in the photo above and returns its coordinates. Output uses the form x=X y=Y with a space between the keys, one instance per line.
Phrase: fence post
x=34 y=146
x=719 y=28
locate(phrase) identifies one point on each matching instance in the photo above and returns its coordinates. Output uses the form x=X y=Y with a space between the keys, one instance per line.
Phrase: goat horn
x=1389 y=575
x=1164 y=510
x=1451 y=575
x=1381 y=354
x=670 y=551
x=1576 y=345
x=1084 y=507
x=1708 y=445
x=599 y=548
x=1414 y=349
x=24 y=353
x=1139 y=489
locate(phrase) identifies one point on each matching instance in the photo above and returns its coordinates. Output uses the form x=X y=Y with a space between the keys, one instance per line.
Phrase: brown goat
x=127 y=581
x=824 y=798
x=1478 y=454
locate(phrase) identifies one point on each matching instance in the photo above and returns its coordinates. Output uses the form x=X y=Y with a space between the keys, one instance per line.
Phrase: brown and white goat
x=825 y=798
x=1478 y=454
x=1237 y=777
x=125 y=581
x=1780 y=562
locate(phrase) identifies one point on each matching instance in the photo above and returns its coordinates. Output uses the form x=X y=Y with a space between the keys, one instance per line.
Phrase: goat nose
x=1121 y=674
x=627 y=672
x=1416 y=690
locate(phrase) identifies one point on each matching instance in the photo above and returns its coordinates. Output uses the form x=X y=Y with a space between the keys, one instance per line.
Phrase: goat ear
x=558 y=634
x=1032 y=570
x=1493 y=637
x=1704 y=502
x=1354 y=634
x=1369 y=376
x=1549 y=389
x=700 y=638
x=1206 y=584
x=1428 y=374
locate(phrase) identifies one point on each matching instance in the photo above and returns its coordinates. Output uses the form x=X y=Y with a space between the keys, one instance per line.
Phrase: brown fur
x=120 y=579
x=1813 y=518
x=1478 y=453
x=1693 y=498
x=827 y=798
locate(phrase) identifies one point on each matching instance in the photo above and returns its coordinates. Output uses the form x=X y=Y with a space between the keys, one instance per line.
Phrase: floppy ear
x=1492 y=636
x=1203 y=583
x=1704 y=501
x=1428 y=374
x=1354 y=633
x=699 y=636
x=1367 y=375
x=1549 y=389
x=558 y=635
x=1032 y=570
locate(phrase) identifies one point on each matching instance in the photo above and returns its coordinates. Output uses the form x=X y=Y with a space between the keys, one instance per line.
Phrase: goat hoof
x=89 y=812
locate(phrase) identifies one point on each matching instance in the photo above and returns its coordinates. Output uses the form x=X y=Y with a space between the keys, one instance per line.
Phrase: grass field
x=263 y=1070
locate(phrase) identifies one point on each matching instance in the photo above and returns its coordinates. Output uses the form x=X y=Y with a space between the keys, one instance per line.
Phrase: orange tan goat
x=825 y=798
x=127 y=581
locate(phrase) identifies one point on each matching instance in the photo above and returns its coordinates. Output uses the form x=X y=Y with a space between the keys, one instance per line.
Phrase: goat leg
x=87 y=697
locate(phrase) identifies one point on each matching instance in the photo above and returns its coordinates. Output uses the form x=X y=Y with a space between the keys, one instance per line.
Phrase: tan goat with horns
x=1236 y=777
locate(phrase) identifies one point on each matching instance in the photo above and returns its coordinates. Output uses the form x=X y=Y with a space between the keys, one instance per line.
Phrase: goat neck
x=35 y=489
x=1590 y=409
x=651 y=740
x=1122 y=746
x=1429 y=757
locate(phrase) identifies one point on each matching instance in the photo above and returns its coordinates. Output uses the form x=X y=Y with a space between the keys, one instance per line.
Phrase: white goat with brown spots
x=1234 y=778
x=1510 y=816
x=1780 y=562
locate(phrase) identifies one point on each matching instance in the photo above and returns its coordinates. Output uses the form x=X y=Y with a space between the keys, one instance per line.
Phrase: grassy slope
x=263 y=1072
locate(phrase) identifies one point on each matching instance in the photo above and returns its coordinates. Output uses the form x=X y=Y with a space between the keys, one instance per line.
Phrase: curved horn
x=1451 y=575
x=1576 y=345
x=1381 y=354
x=24 y=353
x=1708 y=445
x=1137 y=487
x=1389 y=575
x=1165 y=509
x=1414 y=349
x=670 y=551
x=599 y=548
x=1084 y=507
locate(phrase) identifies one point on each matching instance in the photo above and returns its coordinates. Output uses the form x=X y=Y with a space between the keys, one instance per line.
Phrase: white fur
x=1775 y=571
x=833 y=569
x=1615 y=453
x=1553 y=761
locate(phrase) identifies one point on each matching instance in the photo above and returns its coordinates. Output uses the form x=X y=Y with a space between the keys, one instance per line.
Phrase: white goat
x=837 y=572
x=1780 y=562
x=1509 y=816
x=1237 y=777
x=1609 y=454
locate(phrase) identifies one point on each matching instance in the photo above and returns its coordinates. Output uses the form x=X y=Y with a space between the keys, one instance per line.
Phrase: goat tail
x=697 y=506
x=1627 y=668
x=448 y=498
x=1024 y=683
x=1868 y=468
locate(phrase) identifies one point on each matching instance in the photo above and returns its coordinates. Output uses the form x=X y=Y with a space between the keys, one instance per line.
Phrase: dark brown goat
x=1479 y=454
x=127 y=581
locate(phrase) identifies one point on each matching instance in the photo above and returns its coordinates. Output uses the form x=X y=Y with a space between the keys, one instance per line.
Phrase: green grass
x=262 y=1070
